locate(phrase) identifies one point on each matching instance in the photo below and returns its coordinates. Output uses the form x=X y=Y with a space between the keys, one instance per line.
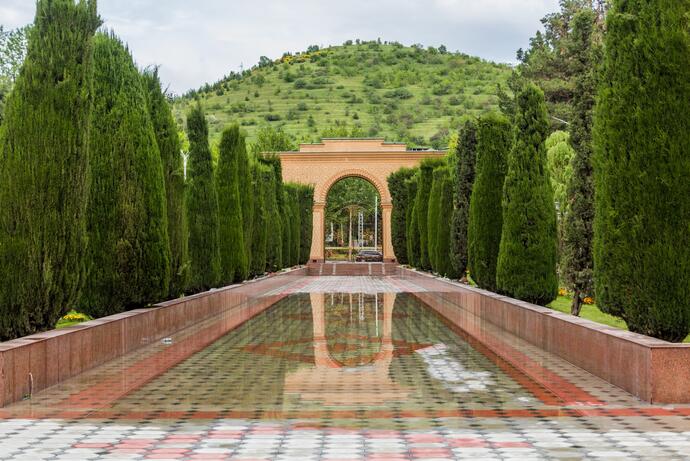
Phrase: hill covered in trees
x=362 y=89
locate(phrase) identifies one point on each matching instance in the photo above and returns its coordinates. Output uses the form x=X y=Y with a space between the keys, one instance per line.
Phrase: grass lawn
x=592 y=312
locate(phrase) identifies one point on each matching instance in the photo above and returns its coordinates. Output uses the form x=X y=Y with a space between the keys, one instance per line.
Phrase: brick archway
x=324 y=164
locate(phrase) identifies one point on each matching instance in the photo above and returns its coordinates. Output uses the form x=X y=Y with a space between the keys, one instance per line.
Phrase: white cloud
x=200 y=41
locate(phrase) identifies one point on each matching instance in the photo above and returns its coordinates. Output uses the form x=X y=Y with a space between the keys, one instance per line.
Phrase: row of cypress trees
x=487 y=207
x=95 y=211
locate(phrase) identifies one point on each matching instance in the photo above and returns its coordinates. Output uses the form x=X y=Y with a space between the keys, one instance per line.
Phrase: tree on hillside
x=202 y=206
x=528 y=252
x=463 y=181
x=170 y=149
x=641 y=169
x=128 y=259
x=398 y=190
x=424 y=183
x=270 y=139
x=494 y=139
x=233 y=258
x=44 y=174
x=578 y=232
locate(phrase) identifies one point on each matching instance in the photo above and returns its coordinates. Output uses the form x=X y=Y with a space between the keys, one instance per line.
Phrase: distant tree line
x=96 y=212
x=603 y=206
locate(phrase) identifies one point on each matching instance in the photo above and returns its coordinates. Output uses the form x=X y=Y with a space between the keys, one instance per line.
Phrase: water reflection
x=351 y=366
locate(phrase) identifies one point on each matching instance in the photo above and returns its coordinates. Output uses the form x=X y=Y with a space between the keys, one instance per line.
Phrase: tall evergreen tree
x=260 y=225
x=129 y=253
x=444 y=263
x=413 y=255
x=398 y=190
x=578 y=231
x=464 y=179
x=306 y=202
x=170 y=148
x=434 y=216
x=642 y=168
x=202 y=206
x=44 y=170
x=274 y=242
x=494 y=138
x=244 y=174
x=233 y=257
x=426 y=178
x=528 y=252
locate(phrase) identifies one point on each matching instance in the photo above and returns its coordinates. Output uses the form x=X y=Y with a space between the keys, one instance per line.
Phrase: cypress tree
x=578 y=231
x=202 y=206
x=422 y=208
x=287 y=219
x=528 y=252
x=306 y=203
x=443 y=238
x=260 y=225
x=398 y=191
x=642 y=169
x=464 y=179
x=129 y=253
x=434 y=216
x=170 y=149
x=413 y=255
x=274 y=242
x=44 y=170
x=294 y=191
x=233 y=257
x=494 y=139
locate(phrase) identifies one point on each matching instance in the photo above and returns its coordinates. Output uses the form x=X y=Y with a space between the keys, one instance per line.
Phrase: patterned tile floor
x=342 y=368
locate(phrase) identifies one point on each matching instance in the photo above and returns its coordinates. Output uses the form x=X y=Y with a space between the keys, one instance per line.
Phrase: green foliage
x=169 y=146
x=424 y=183
x=273 y=220
x=260 y=222
x=641 y=169
x=558 y=157
x=465 y=159
x=345 y=200
x=578 y=232
x=13 y=45
x=233 y=257
x=323 y=94
x=527 y=256
x=305 y=203
x=439 y=175
x=494 y=138
x=444 y=264
x=413 y=252
x=44 y=170
x=202 y=207
x=128 y=260
x=397 y=185
x=270 y=139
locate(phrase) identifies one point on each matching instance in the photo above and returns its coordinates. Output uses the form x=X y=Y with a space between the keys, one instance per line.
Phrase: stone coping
x=652 y=369
x=41 y=360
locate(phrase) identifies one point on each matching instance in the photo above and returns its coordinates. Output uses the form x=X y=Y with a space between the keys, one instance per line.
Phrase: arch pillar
x=388 y=252
x=317 y=253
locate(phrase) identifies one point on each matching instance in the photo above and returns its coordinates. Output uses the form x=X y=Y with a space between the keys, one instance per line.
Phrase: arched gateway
x=324 y=164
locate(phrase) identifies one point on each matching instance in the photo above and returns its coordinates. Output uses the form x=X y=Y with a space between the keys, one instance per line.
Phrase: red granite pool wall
x=652 y=369
x=35 y=362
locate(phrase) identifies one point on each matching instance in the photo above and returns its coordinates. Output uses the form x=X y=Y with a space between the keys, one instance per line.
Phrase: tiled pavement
x=329 y=374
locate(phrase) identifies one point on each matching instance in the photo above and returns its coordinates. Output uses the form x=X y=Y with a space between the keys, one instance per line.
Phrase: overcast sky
x=198 y=41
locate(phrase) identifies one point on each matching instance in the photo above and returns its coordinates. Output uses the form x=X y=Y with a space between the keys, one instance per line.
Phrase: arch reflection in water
x=351 y=366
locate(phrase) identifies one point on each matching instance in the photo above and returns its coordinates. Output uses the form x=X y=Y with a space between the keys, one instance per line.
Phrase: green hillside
x=411 y=94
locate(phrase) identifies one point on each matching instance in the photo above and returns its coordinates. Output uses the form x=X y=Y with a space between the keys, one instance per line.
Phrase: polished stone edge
x=36 y=362
x=651 y=369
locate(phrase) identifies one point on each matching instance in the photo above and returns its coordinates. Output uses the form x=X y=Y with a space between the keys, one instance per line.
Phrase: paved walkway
x=255 y=394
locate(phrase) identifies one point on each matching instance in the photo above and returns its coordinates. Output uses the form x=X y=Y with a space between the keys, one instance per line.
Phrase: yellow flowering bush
x=588 y=300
